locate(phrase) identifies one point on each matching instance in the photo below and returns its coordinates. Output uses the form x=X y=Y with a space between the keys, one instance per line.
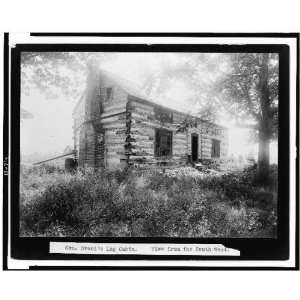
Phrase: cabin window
x=163 y=143
x=163 y=115
x=106 y=94
x=215 y=148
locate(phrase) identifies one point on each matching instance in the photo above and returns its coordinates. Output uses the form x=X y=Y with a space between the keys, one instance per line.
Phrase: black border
x=37 y=248
x=166 y=34
x=5 y=148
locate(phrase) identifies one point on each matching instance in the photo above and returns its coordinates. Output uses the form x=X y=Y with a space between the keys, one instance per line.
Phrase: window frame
x=214 y=153
x=106 y=94
x=170 y=134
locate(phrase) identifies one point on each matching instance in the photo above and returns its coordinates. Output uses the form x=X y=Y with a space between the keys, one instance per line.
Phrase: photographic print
x=149 y=144
x=175 y=150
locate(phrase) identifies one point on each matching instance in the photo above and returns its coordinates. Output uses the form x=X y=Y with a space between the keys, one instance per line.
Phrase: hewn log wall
x=208 y=131
x=114 y=137
x=113 y=121
x=121 y=130
x=101 y=123
x=140 y=140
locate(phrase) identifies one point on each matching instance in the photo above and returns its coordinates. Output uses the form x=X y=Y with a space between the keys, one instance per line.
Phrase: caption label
x=141 y=249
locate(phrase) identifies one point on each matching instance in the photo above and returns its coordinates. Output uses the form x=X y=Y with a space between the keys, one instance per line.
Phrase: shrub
x=41 y=169
x=127 y=203
x=120 y=175
x=75 y=202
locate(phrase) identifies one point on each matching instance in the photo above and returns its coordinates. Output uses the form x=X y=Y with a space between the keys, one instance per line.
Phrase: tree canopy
x=250 y=90
x=242 y=85
x=54 y=73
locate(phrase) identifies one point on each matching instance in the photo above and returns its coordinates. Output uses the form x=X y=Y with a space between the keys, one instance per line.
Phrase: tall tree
x=50 y=72
x=56 y=73
x=199 y=72
x=245 y=85
x=250 y=93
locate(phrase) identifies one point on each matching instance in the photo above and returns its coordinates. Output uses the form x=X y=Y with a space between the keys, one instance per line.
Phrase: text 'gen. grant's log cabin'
x=116 y=126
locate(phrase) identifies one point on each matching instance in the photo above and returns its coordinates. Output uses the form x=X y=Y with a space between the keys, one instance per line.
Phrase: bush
x=126 y=203
x=41 y=169
x=78 y=201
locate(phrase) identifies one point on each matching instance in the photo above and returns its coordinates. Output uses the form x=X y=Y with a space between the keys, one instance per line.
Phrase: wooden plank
x=140 y=105
x=179 y=149
x=178 y=120
x=117 y=125
x=113 y=119
x=179 y=138
x=144 y=143
x=139 y=119
x=111 y=143
x=180 y=135
x=142 y=112
x=141 y=153
x=180 y=154
x=115 y=137
x=112 y=161
x=115 y=155
x=113 y=112
x=113 y=106
x=179 y=143
x=205 y=147
x=113 y=147
x=142 y=130
x=176 y=147
x=142 y=157
x=140 y=137
x=144 y=117
x=153 y=125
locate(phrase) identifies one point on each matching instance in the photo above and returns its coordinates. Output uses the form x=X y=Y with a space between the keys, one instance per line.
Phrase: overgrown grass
x=126 y=203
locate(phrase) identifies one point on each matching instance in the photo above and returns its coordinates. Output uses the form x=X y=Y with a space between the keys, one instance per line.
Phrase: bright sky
x=50 y=131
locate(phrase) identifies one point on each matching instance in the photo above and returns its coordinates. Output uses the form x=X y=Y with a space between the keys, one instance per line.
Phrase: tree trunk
x=263 y=157
x=265 y=122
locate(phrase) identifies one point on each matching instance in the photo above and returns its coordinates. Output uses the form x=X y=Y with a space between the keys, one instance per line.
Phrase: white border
x=291 y=42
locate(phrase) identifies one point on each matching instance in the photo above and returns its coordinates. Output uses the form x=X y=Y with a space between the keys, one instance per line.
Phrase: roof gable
x=137 y=94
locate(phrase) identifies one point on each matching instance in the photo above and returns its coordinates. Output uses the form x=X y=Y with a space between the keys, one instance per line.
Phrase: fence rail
x=56 y=157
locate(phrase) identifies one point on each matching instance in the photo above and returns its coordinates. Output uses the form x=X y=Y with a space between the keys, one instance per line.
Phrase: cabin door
x=195 y=142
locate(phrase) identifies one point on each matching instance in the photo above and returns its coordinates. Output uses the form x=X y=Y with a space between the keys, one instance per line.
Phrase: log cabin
x=116 y=126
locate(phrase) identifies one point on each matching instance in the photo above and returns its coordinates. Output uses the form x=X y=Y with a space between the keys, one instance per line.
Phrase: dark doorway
x=195 y=140
x=215 y=148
